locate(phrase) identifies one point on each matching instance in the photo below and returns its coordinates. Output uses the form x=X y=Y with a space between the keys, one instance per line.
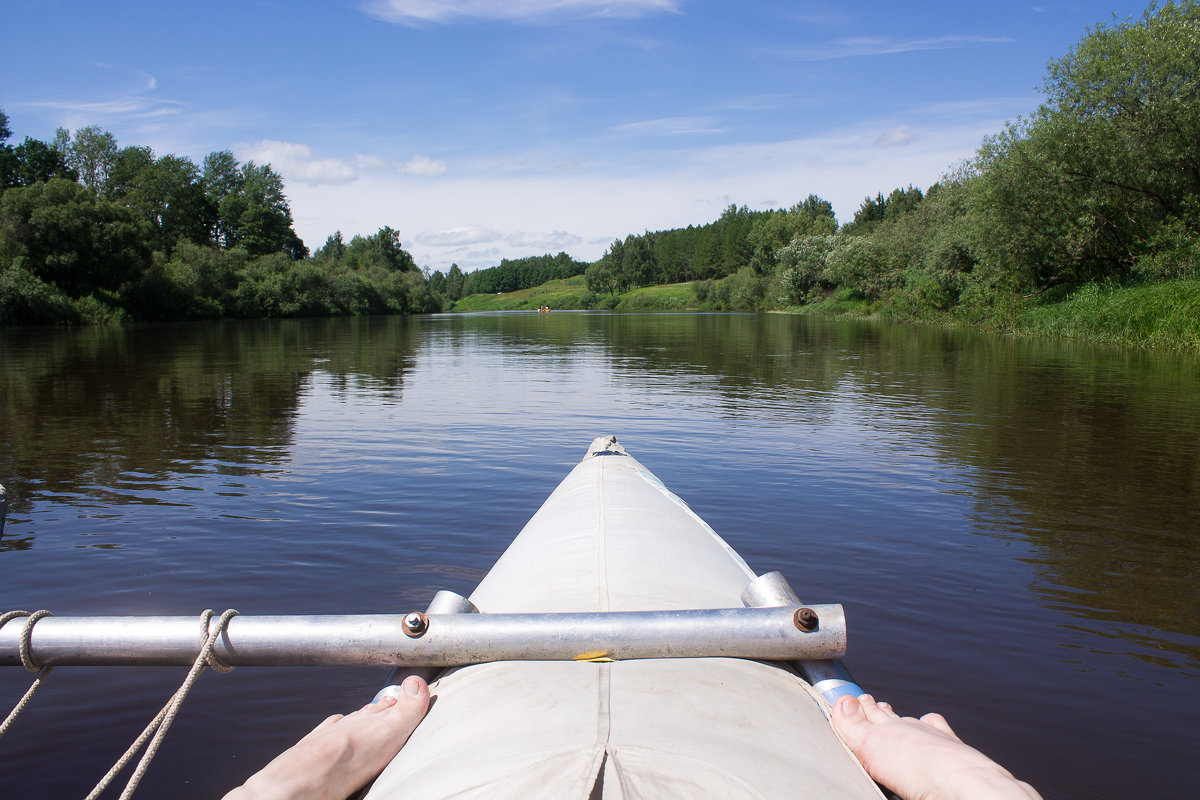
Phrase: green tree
x=91 y=152
x=8 y=162
x=455 y=280
x=381 y=250
x=334 y=249
x=600 y=278
x=773 y=230
x=38 y=161
x=63 y=234
x=252 y=211
x=1082 y=190
x=166 y=192
x=221 y=179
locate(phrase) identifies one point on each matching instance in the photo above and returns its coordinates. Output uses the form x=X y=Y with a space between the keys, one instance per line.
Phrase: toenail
x=411 y=687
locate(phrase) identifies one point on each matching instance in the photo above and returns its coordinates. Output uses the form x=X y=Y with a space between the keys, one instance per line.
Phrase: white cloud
x=423 y=166
x=131 y=103
x=986 y=106
x=295 y=163
x=861 y=46
x=632 y=189
x=669 y=126
x=898 y=136
x=412 y=12
x=458 y=237
x=134 y=113
x=542 y=240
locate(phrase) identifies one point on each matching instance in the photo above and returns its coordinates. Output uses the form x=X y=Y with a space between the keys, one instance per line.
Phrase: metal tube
x=444 y=602
x=450 y=639
x=829 y=676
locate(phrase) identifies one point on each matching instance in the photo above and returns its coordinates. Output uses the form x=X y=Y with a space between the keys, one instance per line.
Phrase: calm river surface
x=1013 y=527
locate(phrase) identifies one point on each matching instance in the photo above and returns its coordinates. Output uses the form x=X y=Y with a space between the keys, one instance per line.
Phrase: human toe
x=938 y=722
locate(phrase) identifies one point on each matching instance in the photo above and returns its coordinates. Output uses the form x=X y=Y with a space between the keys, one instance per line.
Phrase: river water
x=1012 y=526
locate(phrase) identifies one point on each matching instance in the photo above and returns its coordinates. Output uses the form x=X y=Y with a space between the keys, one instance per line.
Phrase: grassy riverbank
x=1160 y=316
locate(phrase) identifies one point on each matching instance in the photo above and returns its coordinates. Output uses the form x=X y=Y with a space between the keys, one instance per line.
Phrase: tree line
x=509 y=276
x=1099 y=186
x=93 y=232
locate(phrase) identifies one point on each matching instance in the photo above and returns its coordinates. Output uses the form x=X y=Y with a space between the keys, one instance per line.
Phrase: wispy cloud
x=460 y=237
x=982 y=107
x=633 y=190
x=414 y=12
x=898 y=136
x=754 y=102
x=865 y=46
x=423 y=166
x=296 y=162
x=668 y=126
x=542 y=240
x=106 y=111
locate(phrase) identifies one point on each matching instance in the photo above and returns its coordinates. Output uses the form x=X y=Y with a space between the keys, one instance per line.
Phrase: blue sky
x=489 y=129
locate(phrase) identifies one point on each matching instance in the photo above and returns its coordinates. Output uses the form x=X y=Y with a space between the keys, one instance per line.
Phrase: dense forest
x=511 y=275
x=92 y=232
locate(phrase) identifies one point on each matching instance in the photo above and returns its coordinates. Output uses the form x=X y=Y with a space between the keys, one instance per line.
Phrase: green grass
x=561 y=294
x=669 y=297
x=1161 y=316
x=841 y=303
x=572 y=293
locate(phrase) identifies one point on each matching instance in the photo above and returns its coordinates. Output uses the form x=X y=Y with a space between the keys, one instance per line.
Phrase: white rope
x=42 y=671
x=157 y=729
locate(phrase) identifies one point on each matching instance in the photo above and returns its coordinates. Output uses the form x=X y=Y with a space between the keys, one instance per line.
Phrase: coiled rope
x=157 y=729
x=42 y=671
x=158 y=726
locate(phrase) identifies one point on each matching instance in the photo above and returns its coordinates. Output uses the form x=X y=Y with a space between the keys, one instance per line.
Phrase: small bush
x=26 y=299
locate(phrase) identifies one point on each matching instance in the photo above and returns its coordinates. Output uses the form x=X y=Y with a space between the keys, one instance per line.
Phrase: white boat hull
x=613 y=538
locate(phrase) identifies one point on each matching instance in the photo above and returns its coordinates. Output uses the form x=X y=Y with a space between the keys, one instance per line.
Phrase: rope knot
x=208 y=640
x=26 y=646
x=41 y=670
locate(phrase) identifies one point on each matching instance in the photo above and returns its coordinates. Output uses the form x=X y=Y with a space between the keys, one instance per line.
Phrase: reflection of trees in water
x=1098 y=451
x=96 y=414
x=1089 y=455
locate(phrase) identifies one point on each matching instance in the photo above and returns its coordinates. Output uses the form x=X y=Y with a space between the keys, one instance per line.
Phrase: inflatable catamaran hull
x=612 y=538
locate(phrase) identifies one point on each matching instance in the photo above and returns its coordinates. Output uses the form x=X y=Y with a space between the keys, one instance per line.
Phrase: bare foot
x=921 y=759
x=340 y=755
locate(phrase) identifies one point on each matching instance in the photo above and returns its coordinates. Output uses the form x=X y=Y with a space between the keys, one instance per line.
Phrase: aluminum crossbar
x=776 y=634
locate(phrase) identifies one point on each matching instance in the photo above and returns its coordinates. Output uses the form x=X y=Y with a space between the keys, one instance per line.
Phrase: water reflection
x=981 y=505
x=99 y=417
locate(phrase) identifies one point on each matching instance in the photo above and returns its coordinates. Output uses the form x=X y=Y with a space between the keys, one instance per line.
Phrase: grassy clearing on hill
x=568 y=293
x=572 y=293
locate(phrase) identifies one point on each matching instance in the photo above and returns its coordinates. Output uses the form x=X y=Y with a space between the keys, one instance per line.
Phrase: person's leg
x=341 y=754
x=920 y=759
